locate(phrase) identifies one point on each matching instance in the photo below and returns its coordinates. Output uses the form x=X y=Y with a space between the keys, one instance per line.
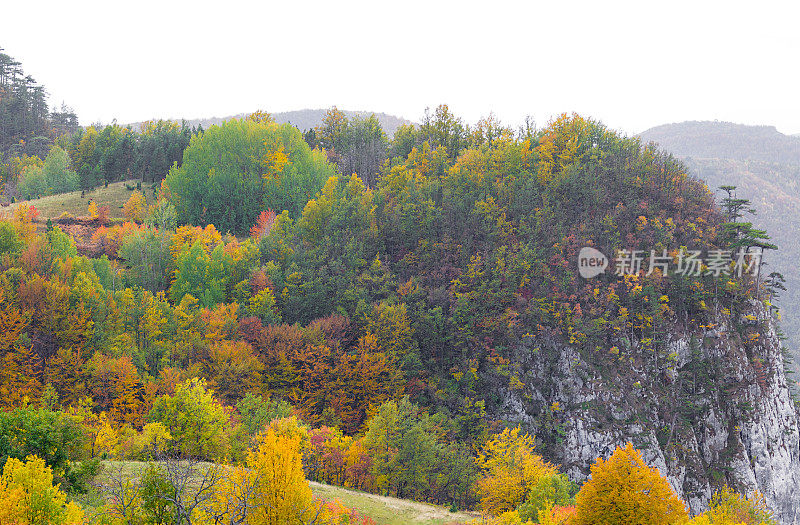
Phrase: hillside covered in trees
x=404 y=316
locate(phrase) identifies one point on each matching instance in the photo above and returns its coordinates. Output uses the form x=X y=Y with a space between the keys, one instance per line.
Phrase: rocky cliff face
x=710 y=407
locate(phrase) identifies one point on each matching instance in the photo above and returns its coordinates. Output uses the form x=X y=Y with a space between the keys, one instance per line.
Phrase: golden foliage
x=24 y=220
x=28 y=496
x=730 y=508
x=564 y=141
x=623 y=489
x=261 y=117
x=188 y=235
x=511 y=469
x=282 y=494
x=12 y=323
x=134 y=208
x=20 y=371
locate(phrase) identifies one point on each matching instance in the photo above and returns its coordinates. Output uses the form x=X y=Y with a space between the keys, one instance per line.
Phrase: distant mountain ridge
x=764 y=165
x=304 y=119
x=726 y=140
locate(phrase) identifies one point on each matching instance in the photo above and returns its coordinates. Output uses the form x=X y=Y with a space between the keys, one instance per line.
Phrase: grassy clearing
x=382 y=509
x=392 y=511
x=114 y=196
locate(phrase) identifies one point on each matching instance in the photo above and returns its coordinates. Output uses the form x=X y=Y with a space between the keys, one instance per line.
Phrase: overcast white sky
x=632 y=65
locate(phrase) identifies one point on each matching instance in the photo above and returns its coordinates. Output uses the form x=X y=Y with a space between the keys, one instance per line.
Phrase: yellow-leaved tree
x=728 y=507
x=134 y=209
x=93 y=213
x=272 y=489
x=624 y=490
x=153 y=441
x=511 y=469
x=28 y=496
x=282 y=493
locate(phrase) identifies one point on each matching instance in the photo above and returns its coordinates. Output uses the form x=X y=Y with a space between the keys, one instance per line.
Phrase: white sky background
x=632 y=65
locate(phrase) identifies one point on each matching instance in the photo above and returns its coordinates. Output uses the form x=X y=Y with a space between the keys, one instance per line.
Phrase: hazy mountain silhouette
x=725 y=140
x=305 y=119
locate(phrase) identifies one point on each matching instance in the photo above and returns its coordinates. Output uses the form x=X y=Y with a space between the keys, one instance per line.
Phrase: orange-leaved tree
x=263 y=225
x=12 y=324
x=233 y=368
x=623 y=490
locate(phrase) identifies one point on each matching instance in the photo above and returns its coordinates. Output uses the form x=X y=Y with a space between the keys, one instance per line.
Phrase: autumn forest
x=267 y=306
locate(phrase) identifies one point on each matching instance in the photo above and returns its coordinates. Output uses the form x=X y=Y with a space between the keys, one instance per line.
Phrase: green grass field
x=382 y=509
x=392 y=511
x=114 y=196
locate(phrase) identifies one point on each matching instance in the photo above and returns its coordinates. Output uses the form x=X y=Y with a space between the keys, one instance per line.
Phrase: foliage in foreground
x=623 y=489
x=28 y=496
